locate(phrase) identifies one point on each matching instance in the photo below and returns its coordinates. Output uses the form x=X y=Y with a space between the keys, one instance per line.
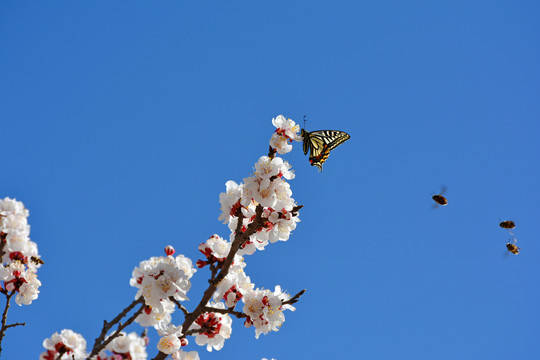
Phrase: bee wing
x=443 y=189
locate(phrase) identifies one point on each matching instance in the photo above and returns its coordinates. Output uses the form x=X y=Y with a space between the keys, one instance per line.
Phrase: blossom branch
x=4 y=319
x=239 y=240
x=295 y=298
x=99 y=344
x=2 y=242
x=180 y=306
x=194 y=331
x=213 y=270
x=238 y=314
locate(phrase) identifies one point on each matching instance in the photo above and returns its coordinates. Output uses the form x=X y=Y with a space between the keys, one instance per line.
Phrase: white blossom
x=161 y=277
x=130 y=346
x=186 y=355
x=230 y=200
x=287 y=128
x=215 y=248
x=156 y=316
x=218 y=328
x=169 y=344
x=68 y=342
x=22 y=279
x=265 y=310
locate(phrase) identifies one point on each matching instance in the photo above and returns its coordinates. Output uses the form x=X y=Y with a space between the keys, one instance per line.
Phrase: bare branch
x=4 y=318
x=99 y=344
x=180 y=306
x=295 y=298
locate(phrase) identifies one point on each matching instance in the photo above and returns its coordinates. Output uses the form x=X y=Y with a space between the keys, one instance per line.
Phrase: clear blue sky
x=121 y=121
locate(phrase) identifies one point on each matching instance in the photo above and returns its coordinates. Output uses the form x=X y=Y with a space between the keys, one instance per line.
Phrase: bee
x=36 y=260
x=439 y=198
x=507 y=224
x=512 y=247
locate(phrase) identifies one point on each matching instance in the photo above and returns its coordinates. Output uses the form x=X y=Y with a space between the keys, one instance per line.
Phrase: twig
x=99 y=344
x=194 y=331
x=4 y=319
x=295 y=298
x=180 y=306
x=272 y=152
x=238 y=314
x=3 y=241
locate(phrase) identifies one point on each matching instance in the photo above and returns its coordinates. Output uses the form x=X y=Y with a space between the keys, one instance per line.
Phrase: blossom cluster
x=158 y=279
x=20 y=259
x=286 y=132
x=267 y=188
x=68 y=345
x=265 y=309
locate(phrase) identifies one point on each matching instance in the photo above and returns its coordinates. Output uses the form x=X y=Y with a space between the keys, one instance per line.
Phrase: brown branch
x=239 y=240
x=272 y=152
x=180 y=306
x=3 y=241
x=213 y=270
x=295 y=298
x=238 y=314
x=16 y=324
x=4 y=319
x=99 y=344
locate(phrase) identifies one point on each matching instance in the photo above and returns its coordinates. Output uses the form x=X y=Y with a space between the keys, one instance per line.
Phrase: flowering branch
x=295 y=298
x=238 y=314
x=258 y=211
x=100 y=344
x=240 y=239
x=4 y=319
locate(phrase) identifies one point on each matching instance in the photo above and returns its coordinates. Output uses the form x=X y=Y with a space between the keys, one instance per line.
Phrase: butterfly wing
x=320 y=143
x=320 y=158
x=331 y=138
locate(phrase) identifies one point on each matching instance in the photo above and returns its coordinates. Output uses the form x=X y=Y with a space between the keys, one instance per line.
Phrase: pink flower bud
x=169 y=250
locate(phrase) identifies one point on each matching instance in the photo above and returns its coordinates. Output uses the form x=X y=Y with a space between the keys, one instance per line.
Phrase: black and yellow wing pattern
x=320 y=143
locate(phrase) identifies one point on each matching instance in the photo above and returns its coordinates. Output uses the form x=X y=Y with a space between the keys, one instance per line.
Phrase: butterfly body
x=319 y=144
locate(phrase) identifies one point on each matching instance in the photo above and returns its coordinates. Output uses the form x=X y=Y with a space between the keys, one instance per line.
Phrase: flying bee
x=512 y=247
x=36 y=260
x=507 y=224
x=439 y=198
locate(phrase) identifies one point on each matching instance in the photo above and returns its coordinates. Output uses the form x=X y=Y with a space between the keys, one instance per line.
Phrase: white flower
x=230 y=200
x=71 y=344
x=17 y=277
x=161 y=277
x=130 y=345
x=185 y=355
x=156 y=316
x=215 y=248
x=233 y=287
x=286 y=128
x=264 y=309
x=12 y=206
x=280 y=143
x=169 y=344
x=217 y=328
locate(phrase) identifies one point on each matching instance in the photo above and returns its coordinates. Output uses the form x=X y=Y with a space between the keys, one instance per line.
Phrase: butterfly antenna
x=305 y=116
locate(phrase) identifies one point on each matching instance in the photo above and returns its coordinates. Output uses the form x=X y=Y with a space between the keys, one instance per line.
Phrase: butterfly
x=320 y=143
